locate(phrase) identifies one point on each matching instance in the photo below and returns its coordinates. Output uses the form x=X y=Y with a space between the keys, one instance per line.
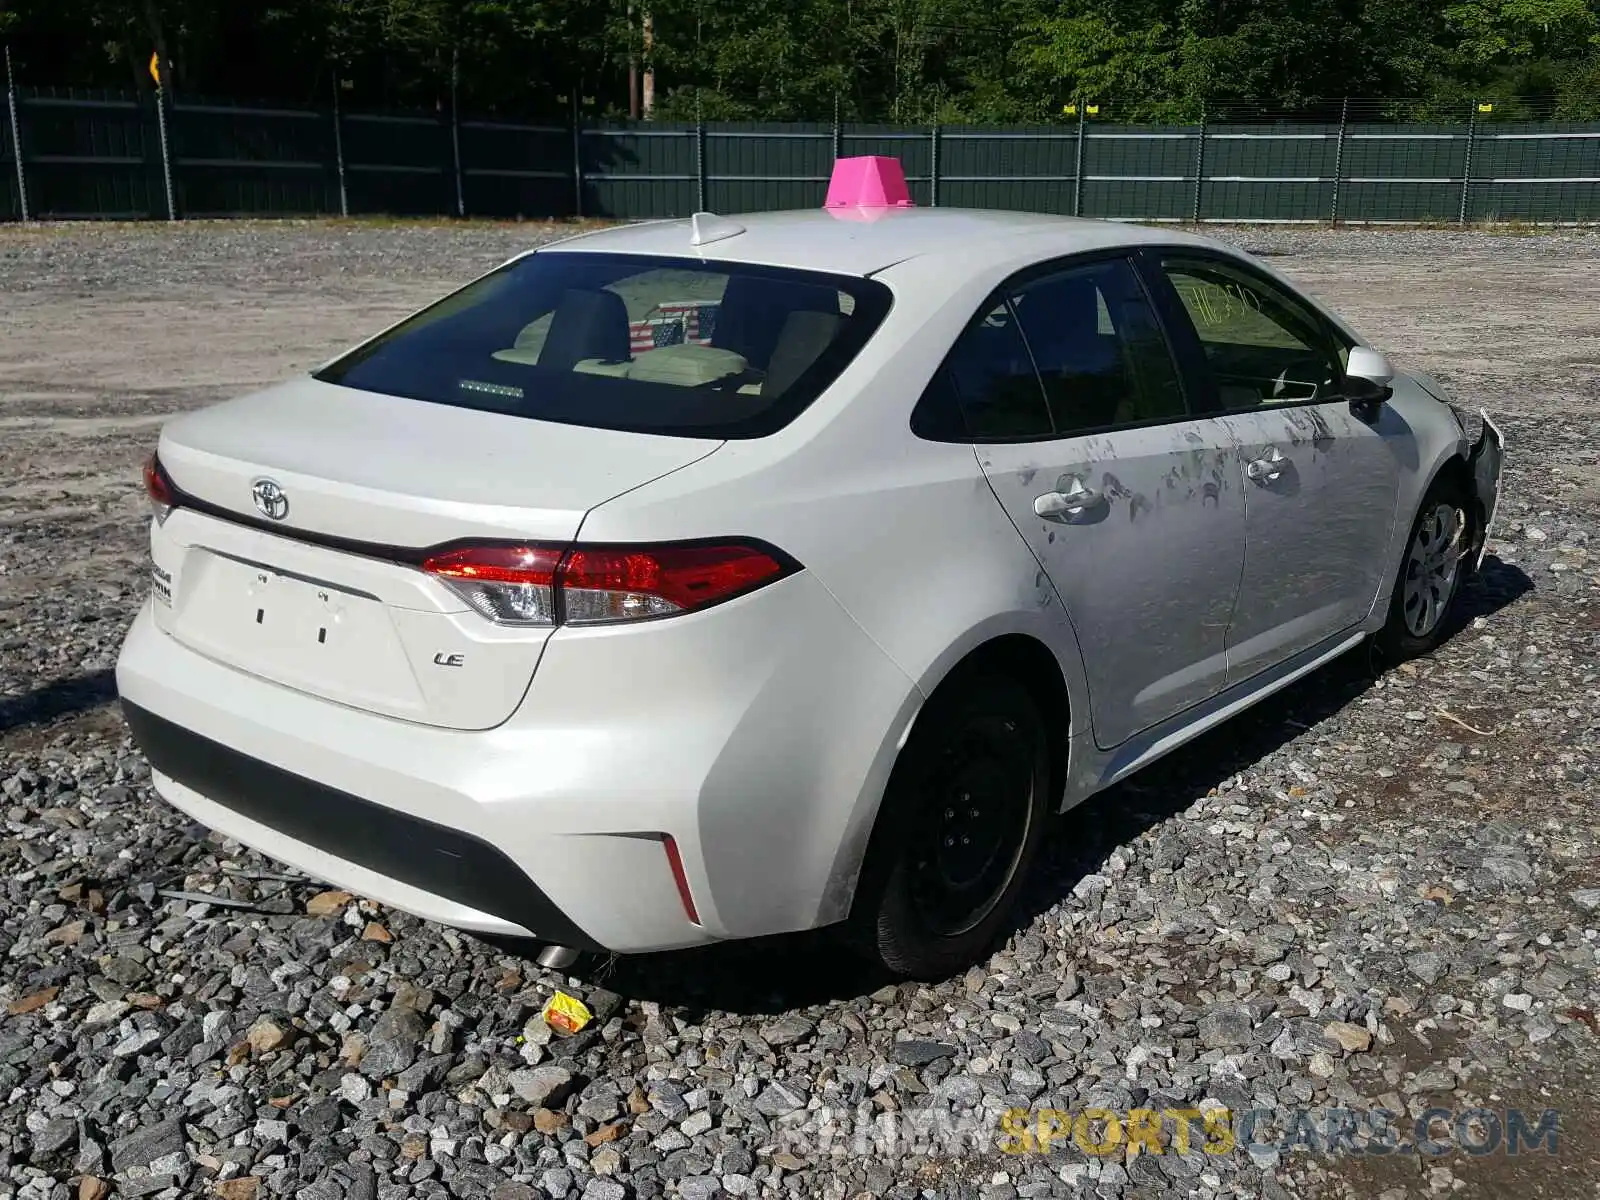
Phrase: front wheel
x=1430 y=574
x=961 y=824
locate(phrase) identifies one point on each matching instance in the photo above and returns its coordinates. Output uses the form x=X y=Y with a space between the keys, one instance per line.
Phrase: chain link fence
x=70 y=153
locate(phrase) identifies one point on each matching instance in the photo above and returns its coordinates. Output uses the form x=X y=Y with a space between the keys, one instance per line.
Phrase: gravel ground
x=1380 y=892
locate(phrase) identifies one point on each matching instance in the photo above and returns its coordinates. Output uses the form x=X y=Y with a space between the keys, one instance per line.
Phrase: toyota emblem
x=271 y=502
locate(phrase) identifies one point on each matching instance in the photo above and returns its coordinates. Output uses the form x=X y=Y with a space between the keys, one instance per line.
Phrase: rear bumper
x=461 y=878
x=758 y=736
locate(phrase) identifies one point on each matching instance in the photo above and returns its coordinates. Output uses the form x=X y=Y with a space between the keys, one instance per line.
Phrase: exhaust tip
x=556 y=957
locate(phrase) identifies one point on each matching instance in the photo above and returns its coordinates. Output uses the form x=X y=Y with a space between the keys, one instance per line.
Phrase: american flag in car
x=672 y=324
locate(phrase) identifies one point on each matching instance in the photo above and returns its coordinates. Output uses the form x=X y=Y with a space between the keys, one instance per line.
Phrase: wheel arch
x=1028 y=660
x=1442 y=449
x=1451 y=465
x=1456 y=470
x=1041 y=648
x=1018 y=653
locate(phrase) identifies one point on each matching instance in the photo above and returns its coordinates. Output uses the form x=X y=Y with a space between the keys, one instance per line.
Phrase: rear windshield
x=612 y=341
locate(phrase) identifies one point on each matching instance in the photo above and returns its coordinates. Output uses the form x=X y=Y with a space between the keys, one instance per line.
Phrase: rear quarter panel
x=905 y=534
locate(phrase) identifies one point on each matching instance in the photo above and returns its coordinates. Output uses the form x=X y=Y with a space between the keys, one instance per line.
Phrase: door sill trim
x=1145 y=748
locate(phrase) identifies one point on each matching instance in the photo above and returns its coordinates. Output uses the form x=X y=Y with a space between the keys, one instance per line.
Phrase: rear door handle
x=1073 y=502
x=1268 y=469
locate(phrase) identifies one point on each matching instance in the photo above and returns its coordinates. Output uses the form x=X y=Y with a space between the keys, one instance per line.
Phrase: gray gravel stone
x=393 y=1044
x=779 y=1099
x=697 y=1123
x=1031 y=1046
x=322 y=1117
x=915 y=1053
x=541 y=1086
x=699 y=1187
x=1225 y=1026
x=1426 y=965
x=144 y=1146
x=1587 y=899
x=425 y=1074
x=355 y=1089
x=136 y=1043
x=59 y=1136
x=787 y=1030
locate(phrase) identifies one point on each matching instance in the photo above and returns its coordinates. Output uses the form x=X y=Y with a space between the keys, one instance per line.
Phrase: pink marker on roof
x=868 y=181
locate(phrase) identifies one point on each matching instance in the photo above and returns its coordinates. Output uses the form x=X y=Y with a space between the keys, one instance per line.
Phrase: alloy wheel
x=1433 y=563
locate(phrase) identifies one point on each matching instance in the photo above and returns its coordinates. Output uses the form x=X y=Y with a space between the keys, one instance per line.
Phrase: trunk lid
x=386 y=471
x=317 y=587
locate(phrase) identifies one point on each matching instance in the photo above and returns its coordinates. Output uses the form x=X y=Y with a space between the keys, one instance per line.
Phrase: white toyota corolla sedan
x=704 y=579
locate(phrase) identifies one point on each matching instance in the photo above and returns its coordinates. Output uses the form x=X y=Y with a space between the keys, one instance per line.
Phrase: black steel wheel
x=961 y=824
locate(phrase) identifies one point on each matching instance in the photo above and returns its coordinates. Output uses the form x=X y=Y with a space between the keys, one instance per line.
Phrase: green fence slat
x=94 y=153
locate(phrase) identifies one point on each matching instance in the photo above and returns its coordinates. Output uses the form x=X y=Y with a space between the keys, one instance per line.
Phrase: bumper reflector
x=675 y=861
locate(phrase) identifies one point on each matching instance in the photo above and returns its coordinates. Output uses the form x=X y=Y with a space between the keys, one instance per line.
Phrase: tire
x=960 y=826
x=1430 y=573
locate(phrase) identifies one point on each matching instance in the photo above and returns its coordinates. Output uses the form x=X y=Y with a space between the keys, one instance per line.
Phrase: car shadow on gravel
x=1496 y=585
x=776 y=974
x=60 y=697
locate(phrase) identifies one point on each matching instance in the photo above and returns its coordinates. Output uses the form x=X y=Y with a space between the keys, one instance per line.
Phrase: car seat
x=806 y=336
x=586 y=325
x=755 y=309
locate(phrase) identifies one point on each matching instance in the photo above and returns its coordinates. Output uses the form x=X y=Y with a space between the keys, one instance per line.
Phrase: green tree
x=1495 y=33
x=911 y=61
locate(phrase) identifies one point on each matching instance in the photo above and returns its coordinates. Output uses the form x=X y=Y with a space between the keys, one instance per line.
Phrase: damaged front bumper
x=1484 y=463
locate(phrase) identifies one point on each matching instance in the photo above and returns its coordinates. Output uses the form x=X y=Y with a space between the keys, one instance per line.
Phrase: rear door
x=1319 y=478
x=1067 y=386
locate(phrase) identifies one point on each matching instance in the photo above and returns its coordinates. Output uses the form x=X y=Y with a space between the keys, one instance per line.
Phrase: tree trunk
x=137 y=62
x=647 y=101
x=633 y=72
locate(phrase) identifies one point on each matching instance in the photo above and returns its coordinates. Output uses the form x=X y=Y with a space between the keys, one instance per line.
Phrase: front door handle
x=1072 y=503
x=1268 y=469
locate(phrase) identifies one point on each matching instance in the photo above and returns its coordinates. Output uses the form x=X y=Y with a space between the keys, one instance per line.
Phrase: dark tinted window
x=1100 y=353
x=701 y=349
x=1263 y=346
x=993 y=379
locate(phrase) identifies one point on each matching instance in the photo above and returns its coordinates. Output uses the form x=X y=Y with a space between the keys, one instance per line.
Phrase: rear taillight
x=593 y=585
x=159 y=488
x=626 y=583
x=512 y=585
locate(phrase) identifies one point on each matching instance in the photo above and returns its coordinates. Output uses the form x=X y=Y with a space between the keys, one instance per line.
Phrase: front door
x=1319 y=479
x=1125 y=497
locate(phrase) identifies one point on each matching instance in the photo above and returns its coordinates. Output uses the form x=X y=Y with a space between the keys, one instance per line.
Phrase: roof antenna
x=708 y=227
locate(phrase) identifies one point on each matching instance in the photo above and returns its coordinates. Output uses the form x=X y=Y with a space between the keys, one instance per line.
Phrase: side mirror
x=1368 y=378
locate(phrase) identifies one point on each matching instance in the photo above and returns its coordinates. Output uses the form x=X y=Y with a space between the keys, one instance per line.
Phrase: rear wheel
x=961 y=824
x=1430 y=574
